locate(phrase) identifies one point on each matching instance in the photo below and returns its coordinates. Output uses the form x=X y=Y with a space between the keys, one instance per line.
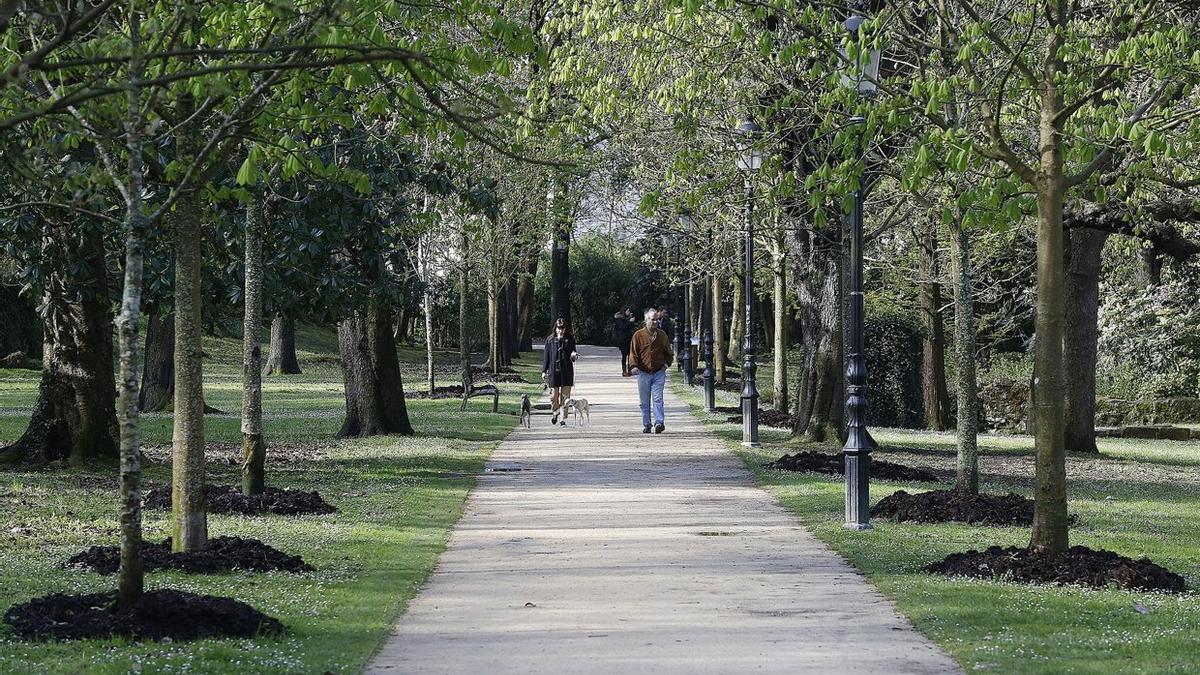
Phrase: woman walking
x=558 y=368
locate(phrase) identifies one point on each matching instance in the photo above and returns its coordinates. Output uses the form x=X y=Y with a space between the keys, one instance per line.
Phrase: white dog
x=579 y=406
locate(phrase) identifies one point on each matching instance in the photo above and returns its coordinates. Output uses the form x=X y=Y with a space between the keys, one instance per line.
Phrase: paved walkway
x=616 y=552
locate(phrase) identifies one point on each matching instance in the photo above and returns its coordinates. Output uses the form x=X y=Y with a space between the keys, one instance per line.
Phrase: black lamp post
x=750 y=158
x=857 y=450
x=706 y=320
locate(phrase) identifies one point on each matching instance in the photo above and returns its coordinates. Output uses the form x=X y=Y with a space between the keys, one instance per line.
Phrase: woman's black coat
x=556 y=362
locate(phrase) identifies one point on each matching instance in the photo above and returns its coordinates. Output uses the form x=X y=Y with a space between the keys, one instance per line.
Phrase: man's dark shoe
x=658 y=428
x=645 y=430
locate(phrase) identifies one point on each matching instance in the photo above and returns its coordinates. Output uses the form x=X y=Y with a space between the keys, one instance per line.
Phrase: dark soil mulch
x=452 y=391
x=769 y=417
x=228 y=499
x=223 y=554
x=821 y=462
x=161 y=614
x=942 y=506
x=1078 y=565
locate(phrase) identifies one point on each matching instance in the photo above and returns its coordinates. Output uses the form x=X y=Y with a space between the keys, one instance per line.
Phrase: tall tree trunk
x=780 y=304
x=158 y=367
x=188 y=502
x=254 y=448
x=464 y=278
x=493 y=322
x=560 y=269
x=737 y=322
x=281 y=355
x=1050 y=526
x=718 y=329
x=427 y=310
x=513 y=348
x=374 y=391
x=1082 y=304
x=933 y=362
x=817 y=277
x=130 y=575
x=75 y=416
x=967 y=475
x=525 y=306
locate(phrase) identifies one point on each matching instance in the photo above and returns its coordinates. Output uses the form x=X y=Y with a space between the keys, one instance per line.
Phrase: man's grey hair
x=650 y=313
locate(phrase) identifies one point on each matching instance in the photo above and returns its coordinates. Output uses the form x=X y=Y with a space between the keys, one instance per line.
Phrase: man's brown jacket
x=650 y=354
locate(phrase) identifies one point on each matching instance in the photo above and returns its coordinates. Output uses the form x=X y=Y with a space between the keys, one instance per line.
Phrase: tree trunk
x=254 y=447
x=737 y=322
x=967 y=477
x=779 y=296
x=493 y=323
x=464 y=278
x=933 y=363
x=1050 y=496
x=718 y=329
x=525 y=306
x=1150 y=271
x=374 y=391
x=75 y=416
x=1082 y=303
x=427 y=310
x=281 y=357
x=817 y=278
x=187 y=457
x=158 y=367
x=560 y=272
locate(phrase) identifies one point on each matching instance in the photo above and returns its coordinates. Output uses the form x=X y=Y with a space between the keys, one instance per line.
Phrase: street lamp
x=749 y=161
x=686 y=223
x=706 y=321
x=863 y=74
x=671 y=240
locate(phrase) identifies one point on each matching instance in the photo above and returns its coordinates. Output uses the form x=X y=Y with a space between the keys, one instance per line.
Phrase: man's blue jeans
x=650 y=390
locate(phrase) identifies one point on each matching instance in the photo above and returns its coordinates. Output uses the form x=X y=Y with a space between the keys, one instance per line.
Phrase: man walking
x=649 y=356
x=622 y=329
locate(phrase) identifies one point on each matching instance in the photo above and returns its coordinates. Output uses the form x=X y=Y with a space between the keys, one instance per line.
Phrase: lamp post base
x=859 y=527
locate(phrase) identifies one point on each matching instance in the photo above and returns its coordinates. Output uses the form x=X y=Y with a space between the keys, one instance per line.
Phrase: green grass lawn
x=398 y=498
x=1139 y=498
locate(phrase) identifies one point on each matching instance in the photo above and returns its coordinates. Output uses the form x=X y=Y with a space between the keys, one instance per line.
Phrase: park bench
x=469 y=389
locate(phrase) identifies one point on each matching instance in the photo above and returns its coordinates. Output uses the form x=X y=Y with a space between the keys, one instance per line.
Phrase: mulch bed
x=452 y=391
x=812 y=461
x=161 y=614
x=228 y=499
x=769 y=417
x=1078 y=565
x=223 y=554
x=942 y=506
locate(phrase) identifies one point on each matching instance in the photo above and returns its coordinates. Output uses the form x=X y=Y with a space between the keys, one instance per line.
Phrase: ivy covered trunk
x=187 y=457
x=158 y=368
x=1081 y=335
x=254 y=448
x=281 y=354
x=374 y=392
x=819 y=400
x=967 y=469
x=75 y=416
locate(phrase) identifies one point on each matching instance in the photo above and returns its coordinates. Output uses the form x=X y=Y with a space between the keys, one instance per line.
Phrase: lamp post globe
x=750 y=161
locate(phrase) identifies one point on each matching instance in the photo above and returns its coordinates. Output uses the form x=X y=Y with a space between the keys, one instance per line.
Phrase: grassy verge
x=398 y=498
x=1138 y=498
